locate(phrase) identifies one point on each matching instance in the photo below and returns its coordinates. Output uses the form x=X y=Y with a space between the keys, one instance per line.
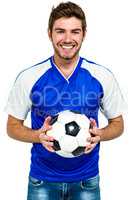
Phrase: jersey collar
x=72 y=75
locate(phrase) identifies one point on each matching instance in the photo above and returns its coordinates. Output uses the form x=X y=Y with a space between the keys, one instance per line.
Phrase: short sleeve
x=18 y=104
x=113 y=103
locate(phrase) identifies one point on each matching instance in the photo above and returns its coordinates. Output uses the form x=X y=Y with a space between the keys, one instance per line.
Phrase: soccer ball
x=70 y=130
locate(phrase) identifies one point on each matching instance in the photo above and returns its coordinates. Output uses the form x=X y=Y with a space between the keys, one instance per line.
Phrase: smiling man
x=67 y=37
x=65 y=81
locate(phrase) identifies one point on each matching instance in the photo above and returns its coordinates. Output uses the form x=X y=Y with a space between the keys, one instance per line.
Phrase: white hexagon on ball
x=68 y=143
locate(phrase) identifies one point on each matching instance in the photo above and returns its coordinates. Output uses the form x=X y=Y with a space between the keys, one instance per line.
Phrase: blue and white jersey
x=43 y=91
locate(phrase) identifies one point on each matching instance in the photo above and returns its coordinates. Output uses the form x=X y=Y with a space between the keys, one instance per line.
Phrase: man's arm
x=113 y=130
x=17 y=130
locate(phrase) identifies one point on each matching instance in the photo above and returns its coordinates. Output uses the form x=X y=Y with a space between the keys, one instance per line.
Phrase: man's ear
x=84 y=34
x=49 y=34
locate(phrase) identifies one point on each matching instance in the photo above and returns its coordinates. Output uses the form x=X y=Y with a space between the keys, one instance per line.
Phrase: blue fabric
x=51 y=94
x=83 y=190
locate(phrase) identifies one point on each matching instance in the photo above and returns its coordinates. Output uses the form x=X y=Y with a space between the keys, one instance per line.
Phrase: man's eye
x=60 y=31
x=76 y=32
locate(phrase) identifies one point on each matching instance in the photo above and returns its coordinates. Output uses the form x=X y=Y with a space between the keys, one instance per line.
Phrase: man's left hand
x=95 y=136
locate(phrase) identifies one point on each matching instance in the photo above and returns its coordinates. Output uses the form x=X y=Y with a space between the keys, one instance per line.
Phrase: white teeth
x=67 y=47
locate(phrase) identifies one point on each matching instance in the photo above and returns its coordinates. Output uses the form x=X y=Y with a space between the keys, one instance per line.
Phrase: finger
x=89 y=148
x=88 y=140
x=47 y=120
x=45 y=137
x=49 y=148
x=87 y=151
x=46 y=128
x=93 y=131
x=92 y=123
x=46 y=124
x=47 y=143
x=95 y=139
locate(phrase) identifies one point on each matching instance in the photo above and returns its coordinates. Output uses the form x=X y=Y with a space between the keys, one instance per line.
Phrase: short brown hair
x=67 y=9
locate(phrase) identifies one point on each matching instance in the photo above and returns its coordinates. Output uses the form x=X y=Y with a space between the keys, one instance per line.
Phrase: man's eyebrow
x=56 y=29
x=75 y=29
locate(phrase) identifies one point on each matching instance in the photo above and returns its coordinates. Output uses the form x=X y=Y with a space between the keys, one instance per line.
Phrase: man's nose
x=68 y=37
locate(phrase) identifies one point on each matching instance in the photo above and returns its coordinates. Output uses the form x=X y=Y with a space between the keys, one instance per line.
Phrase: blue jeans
x=83 y=190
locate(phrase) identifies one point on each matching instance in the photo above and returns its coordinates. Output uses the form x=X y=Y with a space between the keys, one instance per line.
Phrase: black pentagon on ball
x=56 y=145
x=79 y=151
x=72 y=128
x=53 y=119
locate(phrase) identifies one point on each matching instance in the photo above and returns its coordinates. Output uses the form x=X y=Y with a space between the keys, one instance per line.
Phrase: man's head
x=67 y=28
x=67 y=10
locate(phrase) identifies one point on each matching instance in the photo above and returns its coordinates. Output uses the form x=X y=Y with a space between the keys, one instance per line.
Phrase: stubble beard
x=66 y=58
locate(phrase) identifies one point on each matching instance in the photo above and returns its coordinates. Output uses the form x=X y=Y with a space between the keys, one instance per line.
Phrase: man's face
x=67 y=37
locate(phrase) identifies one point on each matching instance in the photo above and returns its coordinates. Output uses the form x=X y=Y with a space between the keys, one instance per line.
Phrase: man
x=64 y=81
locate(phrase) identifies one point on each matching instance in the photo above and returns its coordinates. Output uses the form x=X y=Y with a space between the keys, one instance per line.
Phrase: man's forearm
x=24 y=134
x=18 y=131
x=113 y=130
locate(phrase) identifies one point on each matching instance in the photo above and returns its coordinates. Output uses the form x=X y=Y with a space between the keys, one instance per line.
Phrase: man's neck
x=66 y=66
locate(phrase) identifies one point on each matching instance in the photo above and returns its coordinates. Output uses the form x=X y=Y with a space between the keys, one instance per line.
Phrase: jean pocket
x=91 y=184
x=35 y=182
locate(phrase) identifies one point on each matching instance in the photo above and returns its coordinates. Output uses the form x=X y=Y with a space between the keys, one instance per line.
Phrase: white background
x=24 y=42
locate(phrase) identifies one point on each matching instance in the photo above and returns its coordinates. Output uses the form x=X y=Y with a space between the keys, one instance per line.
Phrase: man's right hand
x=46 y=141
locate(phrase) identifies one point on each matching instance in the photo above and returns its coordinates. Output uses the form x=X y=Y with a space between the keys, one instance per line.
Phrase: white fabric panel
x=19 y=103
x=112 y=104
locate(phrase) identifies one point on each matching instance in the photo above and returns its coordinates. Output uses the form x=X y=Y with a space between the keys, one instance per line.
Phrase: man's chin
x=69 y=57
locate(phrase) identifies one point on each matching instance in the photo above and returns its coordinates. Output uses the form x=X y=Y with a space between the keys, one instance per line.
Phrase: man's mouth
x=67 y=46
